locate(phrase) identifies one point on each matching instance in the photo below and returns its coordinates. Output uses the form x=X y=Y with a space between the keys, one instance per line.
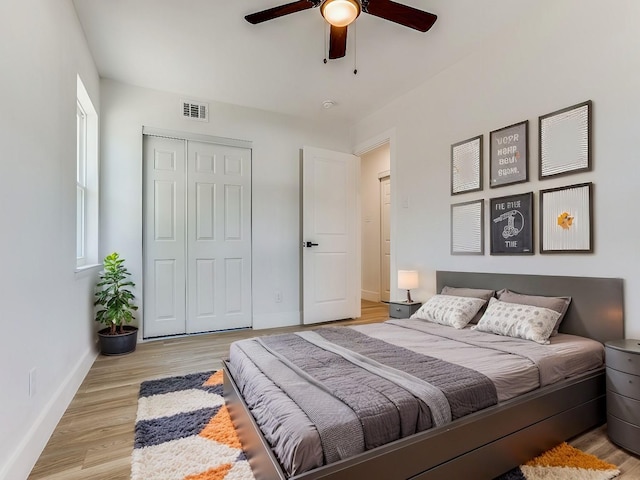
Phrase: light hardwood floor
x=94 y=438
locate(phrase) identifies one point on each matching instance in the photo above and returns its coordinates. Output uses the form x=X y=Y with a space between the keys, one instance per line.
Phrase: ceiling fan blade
x=279 y=11
x=402 y=14
x=337 y=42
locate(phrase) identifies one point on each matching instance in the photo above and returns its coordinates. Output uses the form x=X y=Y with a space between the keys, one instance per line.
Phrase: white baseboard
x=273 y=320
x=28 y=450
x=371 y=296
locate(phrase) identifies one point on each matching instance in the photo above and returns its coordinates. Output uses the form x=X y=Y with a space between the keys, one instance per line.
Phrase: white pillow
x=519 y=321
x=449 y=310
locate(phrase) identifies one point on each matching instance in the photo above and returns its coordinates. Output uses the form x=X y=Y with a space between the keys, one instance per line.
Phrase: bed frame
x=492 y=441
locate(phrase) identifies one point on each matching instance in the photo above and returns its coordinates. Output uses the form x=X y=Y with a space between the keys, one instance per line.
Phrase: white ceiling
x=205 y=50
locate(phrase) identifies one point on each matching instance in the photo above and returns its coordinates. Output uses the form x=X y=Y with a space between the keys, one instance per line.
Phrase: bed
x=494 y=439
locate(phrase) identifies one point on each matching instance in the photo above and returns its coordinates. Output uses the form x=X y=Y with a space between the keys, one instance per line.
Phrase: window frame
x=87 y=184
x=81 y=185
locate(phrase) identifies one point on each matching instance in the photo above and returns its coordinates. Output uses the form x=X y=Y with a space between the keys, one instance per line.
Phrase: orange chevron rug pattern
x=563 y=462
x=184 y=432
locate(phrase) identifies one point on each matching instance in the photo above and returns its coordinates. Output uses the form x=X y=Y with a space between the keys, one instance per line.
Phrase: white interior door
x=219 y=237
x=385 y=239
x=331 y=235
x=164 y=237
x=197 y=237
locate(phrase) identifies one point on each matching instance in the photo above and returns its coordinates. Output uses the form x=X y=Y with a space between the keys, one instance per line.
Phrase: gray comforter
x=327 y=394
x=376 y=392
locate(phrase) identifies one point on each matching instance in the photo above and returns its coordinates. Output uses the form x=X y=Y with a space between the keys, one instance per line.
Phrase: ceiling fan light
x=340 y=13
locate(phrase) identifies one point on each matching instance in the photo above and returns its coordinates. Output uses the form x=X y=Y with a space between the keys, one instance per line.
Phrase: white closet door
x=164 y=237
x=218 y=237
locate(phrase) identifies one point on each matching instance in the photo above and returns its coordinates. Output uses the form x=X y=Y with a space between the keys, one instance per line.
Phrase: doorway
x=375 y=191
x=385 y=238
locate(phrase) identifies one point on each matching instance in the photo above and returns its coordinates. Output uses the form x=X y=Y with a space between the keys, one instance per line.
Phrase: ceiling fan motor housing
x=340 y=13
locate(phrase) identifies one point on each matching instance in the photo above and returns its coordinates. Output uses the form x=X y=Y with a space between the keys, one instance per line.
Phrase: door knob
x=309 y=244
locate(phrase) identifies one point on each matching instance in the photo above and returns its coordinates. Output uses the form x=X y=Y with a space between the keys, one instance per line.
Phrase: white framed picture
x=564 y=141
x=466 y=166
x=566 y=217
x=467 y=228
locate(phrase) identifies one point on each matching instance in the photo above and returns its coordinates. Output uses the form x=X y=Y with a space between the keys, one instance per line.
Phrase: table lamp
x=408 y=279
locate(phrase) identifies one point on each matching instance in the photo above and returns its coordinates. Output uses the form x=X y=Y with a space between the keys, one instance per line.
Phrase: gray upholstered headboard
x=597 y=304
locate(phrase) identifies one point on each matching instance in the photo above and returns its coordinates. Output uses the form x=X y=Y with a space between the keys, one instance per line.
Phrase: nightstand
x=403 y=309
x=623 y=393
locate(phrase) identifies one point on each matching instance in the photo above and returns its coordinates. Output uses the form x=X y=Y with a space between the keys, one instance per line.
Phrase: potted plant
x=116 y=308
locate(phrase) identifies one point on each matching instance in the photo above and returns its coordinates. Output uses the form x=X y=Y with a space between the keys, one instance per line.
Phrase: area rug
x=563 y=462
x=184 y=432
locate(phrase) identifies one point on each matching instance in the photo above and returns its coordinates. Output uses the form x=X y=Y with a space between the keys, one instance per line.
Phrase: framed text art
x=566 y=217
x=509 y=155
x=466 y=166
x=564 y=141
x=467 y=228
x=511 y=224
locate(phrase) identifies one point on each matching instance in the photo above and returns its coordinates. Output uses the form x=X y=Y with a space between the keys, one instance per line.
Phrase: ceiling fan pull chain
x=355 y=49
x=326 y=47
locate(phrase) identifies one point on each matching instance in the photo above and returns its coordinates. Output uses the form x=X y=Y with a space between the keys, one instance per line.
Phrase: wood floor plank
x=94 y=438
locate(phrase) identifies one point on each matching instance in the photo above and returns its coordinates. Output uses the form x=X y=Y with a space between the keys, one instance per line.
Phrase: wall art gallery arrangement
x=565 y=213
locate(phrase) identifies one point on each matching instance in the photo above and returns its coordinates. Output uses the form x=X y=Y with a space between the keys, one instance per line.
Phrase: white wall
x=277 y=140
x=373 y=163
x=562 y=54
x=45 y=308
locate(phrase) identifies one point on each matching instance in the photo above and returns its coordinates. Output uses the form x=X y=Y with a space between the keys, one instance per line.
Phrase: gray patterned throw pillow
x=449 y=310
x=519 y=321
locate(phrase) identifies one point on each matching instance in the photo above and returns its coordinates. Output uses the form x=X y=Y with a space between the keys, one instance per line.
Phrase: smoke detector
x=328 y=104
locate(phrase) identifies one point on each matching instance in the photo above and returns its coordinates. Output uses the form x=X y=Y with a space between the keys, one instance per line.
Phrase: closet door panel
x=233 y=287
x=218 y=237
x=205 y=211
x=233 y=213
x=164 y=237
x=206 y=287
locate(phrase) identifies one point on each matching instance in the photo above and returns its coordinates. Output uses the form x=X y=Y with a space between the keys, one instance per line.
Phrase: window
x=86 y=180
x=81 y=186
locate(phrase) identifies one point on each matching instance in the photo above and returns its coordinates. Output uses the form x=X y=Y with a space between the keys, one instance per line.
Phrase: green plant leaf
x=112 y=295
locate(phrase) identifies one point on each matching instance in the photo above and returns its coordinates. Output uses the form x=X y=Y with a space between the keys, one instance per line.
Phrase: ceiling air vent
x=195 y=110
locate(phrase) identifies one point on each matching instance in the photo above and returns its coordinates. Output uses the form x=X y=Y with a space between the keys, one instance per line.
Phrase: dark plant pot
x=120 y=343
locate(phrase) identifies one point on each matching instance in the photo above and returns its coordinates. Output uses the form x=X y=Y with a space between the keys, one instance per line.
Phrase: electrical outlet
x=278 y=296
x=32 y=382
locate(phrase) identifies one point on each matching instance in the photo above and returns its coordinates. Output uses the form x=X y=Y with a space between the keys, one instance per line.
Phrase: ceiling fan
x=341 y=13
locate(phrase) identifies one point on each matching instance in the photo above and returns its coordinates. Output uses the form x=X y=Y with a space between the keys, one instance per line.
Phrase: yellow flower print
x=565 y=220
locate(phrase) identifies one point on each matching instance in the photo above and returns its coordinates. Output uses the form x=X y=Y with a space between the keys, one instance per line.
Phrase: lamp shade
x=407 y=279
x=340 y=13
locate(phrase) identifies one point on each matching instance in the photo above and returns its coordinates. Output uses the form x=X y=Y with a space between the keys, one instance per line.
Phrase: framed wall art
x=467 y=228
x=511 y=224
x=566 y=219
x=564 y=141
x=509 y=155
x=466 y=166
